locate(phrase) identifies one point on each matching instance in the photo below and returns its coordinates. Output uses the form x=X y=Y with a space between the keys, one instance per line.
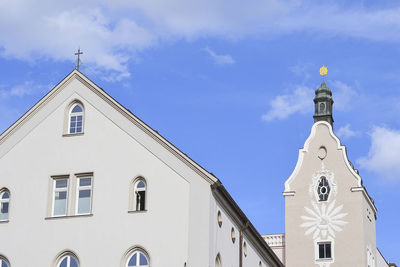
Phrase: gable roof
x=340 y=147
x=218 y=190
x=75 y=74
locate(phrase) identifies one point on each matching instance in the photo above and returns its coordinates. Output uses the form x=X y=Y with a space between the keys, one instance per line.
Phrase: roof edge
x=210 y=178
x=228 y=203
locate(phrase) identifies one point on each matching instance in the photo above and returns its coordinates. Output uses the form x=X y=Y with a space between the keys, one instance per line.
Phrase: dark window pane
x=77 y=108
x=132 y=261
x=142 y=200
x=321 y=251
x=78 y=130
x=85 y=181
x=141 y=184
x=328 y=250
x=84 y=193
x=143 y=260
x=61 y=183
x=4 y=208
x=79 y=124
x=79 y=118
x=323 y=189
x=72 y=130
x=73 y=263
x=73 y=118
x=61 y=195
x=64 y=262
x=4 y=264
x=6 y=195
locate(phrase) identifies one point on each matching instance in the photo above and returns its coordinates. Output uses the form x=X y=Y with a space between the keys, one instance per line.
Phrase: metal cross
x=78 y=60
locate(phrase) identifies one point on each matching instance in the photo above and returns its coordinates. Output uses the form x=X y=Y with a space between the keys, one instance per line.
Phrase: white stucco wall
x=252 y=258
x=349 y=229
x=173 y=230
x=221 y=241
x=180 y=224
x=380 y=261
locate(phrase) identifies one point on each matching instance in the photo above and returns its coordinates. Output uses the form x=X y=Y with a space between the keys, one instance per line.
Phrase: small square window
x=324 y=251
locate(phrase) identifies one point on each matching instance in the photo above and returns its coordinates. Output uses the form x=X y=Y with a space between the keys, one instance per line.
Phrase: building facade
x=330 y=219
x=83 y=182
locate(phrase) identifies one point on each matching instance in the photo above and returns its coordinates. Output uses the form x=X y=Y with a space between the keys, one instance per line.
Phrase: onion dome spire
x=323 y=100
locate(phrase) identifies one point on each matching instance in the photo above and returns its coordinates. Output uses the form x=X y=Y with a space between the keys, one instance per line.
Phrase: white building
x=329 y=215
x=86 y=183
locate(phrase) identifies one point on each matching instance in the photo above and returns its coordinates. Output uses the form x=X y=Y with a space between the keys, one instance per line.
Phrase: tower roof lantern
x=323 y=100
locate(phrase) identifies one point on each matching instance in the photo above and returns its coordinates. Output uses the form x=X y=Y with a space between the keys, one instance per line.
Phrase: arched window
x=4 y=262
x=138 y=258
x=76 y=115
x=140 y=195
x=218 y=261
x=323 y=189
x=4 y=205
x=68 y=260
x=322 y=107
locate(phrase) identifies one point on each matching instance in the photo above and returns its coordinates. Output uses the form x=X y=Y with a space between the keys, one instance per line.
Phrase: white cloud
x=23 y=89
x=384 y=153
x=302 y=69
x=343 y=95
x=220 y=59
x=345 y=132
x=282 y=106
x=48 y=30
x=301 y=100
x=111 y=32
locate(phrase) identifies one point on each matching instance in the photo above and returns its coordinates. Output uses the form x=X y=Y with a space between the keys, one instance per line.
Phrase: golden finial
x=323 y=71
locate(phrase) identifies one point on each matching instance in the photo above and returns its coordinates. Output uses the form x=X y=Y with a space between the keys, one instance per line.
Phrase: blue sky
x=228 y=82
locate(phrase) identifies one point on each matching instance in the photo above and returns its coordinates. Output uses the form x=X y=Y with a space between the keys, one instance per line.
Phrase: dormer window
x=76 y=115
x=323 y=189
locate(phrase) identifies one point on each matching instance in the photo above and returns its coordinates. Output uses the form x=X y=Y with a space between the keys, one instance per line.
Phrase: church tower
x=323 y=101
x=329 y=216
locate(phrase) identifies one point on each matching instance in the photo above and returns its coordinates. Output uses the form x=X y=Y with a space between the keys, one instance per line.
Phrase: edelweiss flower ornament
x=323 y=221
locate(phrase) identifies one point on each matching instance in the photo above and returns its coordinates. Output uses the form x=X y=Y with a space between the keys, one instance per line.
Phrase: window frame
x=67 y=118
x=132 y=195
x=318 y=189
x=2 y=201
x=330 y=250
x=218 y=260
x=85 y=187
x=135 y=193
x=4 y=259
x=54 y=190
x=66 y=254
x=132 y=252
x=81 y=113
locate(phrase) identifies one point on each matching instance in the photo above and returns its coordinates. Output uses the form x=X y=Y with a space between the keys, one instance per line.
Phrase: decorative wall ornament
x=323 y=220
x=323 y=172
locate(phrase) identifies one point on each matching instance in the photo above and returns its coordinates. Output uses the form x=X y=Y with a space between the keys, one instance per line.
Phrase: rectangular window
x=60 y=195
x=84 y=195
x=324 y=250
x=76 y=124
x=3 y=211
